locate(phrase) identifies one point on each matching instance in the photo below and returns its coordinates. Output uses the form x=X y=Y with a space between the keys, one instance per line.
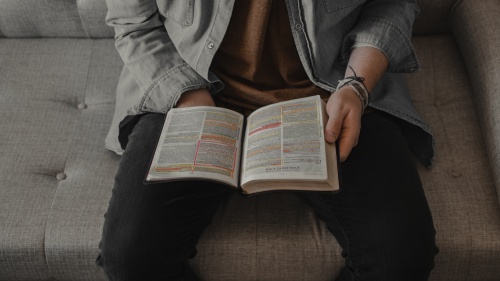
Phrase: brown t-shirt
x=258 y=60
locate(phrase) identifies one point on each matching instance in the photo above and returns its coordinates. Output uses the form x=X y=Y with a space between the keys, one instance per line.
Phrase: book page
x=285 y=141
x=199 y=142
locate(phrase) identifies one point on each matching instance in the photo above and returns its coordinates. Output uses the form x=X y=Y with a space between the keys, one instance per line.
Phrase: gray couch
x=58 y=73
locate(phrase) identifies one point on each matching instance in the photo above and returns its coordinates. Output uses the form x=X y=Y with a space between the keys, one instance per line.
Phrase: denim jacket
x=167 y=47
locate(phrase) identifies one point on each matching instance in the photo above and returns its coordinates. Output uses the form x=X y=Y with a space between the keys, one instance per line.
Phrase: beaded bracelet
x=358 y=86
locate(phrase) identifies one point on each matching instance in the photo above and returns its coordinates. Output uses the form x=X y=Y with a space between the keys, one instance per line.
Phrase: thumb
x=333 y=127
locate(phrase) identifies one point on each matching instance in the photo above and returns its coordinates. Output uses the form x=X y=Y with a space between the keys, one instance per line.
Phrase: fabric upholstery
x=54 y=18
x=433 y=18
x=43 y=18
x=460 y=186
x=267 y=237
x=74 y=81
x=92 y=15
x=474 y=22
x=33 y=142
x=56 y=177
x=75 y=221
x=51 y=79
x=25 y=202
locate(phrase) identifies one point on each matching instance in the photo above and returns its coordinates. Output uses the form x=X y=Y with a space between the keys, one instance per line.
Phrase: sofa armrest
x=475 y=25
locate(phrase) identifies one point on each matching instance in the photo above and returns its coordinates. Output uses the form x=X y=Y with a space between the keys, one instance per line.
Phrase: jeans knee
x=409 y=258
x=128 y=255
x=121 y=262
x=118 y=259
x=391 y=254
x=413 y=261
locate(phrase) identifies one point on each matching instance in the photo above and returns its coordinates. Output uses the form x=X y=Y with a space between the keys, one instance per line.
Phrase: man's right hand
x=196 y=97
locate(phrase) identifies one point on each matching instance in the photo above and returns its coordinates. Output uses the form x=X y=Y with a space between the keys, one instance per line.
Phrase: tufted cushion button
x=82 y=106
x=456 y=174
x=61 y=176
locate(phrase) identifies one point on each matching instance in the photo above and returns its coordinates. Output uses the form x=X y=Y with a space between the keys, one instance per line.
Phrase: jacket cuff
x=164 y=93
x=388 y=38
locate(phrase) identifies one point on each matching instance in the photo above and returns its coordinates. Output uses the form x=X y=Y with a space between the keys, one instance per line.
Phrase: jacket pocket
x=180 y=11
x=332 y=6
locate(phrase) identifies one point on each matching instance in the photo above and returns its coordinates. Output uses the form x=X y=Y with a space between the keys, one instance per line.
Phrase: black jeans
x=381 y=218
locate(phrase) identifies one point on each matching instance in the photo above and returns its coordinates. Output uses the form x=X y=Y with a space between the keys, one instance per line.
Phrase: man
x=246 y=54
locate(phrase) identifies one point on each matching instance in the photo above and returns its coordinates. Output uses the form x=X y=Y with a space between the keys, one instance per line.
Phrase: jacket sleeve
x=387 y=26
x=149 y=54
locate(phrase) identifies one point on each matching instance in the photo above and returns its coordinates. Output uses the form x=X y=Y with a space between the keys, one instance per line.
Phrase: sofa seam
x=81 y=20
x=2 y=59
x=466 y=205
x=73 y=133
x=453 y=9
x=451 y=151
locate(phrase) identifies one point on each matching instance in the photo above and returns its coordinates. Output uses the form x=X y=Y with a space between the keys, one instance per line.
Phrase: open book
x=283 y=147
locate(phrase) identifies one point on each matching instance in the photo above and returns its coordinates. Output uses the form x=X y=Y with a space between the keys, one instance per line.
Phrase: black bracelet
x=359 y=87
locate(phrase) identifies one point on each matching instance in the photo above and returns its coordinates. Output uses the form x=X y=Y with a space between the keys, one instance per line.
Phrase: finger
x=335 y=119
x=349 y=135
x=333 y=126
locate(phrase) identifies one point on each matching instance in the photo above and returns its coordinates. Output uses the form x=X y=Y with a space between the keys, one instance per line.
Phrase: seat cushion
x=56 y=103
x=54 y=18
x=460 y=186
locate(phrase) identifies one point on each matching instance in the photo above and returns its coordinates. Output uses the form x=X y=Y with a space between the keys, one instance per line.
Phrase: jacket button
x=210 y=45
x=298 y=26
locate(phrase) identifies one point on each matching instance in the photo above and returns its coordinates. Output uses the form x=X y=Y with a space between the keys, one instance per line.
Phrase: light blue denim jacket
x=167 y=47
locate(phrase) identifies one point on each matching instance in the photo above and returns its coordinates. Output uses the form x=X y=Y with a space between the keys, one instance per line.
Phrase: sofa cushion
x=56 y=99
x=56 y=177
x=54 y=18
x=473 y=22
x=92 y=15
x=268 y=237
x=433 y=18
x=75 y=222
x=43 y=18
x=25 y=201
x=39 y=91
x=459 y=187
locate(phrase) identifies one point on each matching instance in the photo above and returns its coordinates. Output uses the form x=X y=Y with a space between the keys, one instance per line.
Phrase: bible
x=278 y=147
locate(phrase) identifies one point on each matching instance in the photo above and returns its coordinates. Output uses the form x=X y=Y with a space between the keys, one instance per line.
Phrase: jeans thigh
x=381 y=212
x=148 y=226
